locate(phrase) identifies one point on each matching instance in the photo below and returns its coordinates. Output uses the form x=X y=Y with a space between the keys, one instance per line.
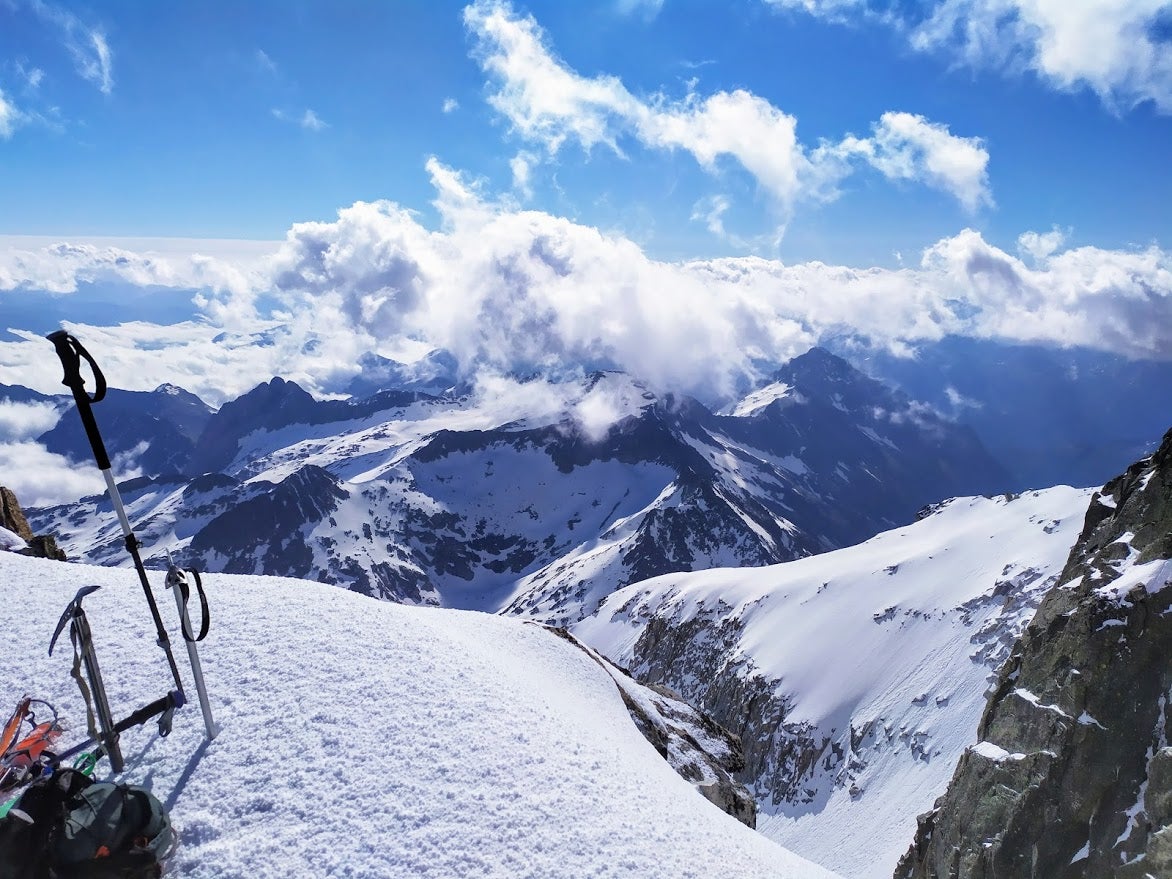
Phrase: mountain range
x=464 y=501
x=831 y=569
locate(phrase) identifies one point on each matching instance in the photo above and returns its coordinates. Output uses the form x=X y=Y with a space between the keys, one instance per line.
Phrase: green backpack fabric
x=111 y=830
x=68 y=826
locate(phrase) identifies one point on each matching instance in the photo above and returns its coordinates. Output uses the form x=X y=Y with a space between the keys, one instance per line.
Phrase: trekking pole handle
x=71 y=352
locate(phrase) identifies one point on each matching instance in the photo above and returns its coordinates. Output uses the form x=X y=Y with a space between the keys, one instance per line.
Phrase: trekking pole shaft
x=70 y=351
x=196 y=669
x=116 y=500
x=132 y=548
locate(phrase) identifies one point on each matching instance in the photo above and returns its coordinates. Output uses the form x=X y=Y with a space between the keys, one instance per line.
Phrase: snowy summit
x=367 y=739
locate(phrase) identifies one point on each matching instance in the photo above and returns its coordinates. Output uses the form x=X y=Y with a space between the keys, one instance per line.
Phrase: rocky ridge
x=1072 y=773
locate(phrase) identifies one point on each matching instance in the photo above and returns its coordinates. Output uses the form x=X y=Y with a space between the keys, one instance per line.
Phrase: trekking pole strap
x=204 y=613
x=70 y=351
x=91 y=723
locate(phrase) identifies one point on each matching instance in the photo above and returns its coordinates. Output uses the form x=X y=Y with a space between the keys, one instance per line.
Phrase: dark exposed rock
x=12 y=517
x=276 y=404
x=1072 y=776
x=44 y=546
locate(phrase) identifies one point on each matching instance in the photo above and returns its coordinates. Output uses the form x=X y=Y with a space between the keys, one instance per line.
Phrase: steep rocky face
x=1070 y=776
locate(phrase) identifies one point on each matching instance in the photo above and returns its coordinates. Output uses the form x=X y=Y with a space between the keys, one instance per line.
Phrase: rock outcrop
x=1072 y=773
x=12 y=517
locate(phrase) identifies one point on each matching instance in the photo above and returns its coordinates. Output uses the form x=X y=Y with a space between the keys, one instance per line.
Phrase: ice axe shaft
x=85 y=655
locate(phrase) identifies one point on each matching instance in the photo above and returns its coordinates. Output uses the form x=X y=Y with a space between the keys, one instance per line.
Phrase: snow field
x=366 y=739
x=893 y=640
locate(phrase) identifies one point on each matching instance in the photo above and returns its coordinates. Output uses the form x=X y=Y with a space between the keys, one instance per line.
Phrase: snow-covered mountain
x=1072 y=775
x=367 y=739
x=542 y=501
x=855 y=678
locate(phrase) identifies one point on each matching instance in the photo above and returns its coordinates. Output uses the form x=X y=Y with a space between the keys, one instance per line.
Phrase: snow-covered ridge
x=368 y=739
x=856 y=677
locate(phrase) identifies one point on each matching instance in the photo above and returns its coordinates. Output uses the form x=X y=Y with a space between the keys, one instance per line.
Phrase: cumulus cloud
x=450 y=105
x=1120 y=49
x=550 y=104
x=58 y=267
x=21 y=421
x=1039 y=246
x=909 y=147
x=513 y=292
x=40 y=478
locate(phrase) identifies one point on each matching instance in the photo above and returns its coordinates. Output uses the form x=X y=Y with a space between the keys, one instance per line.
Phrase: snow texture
x=368 y=739
x=884 y=649
x=10 y=541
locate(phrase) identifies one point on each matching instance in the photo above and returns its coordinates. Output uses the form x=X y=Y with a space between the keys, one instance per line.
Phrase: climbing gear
x=99 y=719
x=96 y=701
x=25 y=757
x=71 y=353
x=177 y=583
x=68 y=825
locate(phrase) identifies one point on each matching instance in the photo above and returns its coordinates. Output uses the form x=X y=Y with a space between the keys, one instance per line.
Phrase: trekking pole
x=71 y=352
x=177 y=583
x=83 y=653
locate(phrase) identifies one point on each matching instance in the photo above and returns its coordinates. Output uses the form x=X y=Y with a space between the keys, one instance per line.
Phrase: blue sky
x=216 y=193
x=225 y=120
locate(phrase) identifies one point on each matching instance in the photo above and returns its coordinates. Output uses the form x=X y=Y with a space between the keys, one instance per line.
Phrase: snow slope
x=368 y=739
x=855 y=678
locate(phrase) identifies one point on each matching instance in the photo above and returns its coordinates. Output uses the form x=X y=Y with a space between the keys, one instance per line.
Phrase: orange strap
x=12 y=728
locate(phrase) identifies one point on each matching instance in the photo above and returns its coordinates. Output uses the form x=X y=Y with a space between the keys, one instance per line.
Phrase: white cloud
x=59 y=267
x=265 y=62
x=1040 y=246
x=909 y=147
x=711 y=211
x=544 y=100
x=10 y=117
x=22 y=421
x=33 y=76
x=450 y=105
x=39 y=478
x=646 y=9
x=1112 y=47
x=308 y=120
x=549 y=104
x=510 y=291
x=522 y=167
x=312 y=121
x=87 y=45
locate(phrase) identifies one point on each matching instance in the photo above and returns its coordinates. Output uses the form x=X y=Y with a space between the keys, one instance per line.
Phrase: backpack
x=82 y=828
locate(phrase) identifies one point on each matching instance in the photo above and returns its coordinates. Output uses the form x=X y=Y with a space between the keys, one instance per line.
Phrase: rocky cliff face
x=1072 y=773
